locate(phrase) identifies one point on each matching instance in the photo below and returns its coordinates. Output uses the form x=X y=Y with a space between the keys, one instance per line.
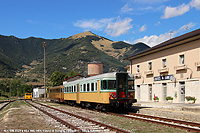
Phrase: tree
x=72 y=73
x=57 y=78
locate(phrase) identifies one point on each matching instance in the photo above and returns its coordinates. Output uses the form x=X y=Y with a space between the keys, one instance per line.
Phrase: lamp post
x=190 y=70
x=44 y=46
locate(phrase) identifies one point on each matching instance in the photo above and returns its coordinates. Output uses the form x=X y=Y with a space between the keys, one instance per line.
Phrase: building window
x=138 y=68
x=182 y=59
x=164 y=63
x=150 y=66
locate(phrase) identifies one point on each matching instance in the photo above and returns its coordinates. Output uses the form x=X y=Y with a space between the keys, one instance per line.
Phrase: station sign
x=165 y=77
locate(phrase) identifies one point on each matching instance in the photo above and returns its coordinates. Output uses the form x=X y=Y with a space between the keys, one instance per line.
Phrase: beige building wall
x=187 y=74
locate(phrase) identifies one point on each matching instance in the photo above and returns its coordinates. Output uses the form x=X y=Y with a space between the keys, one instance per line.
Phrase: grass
x=9 y=98
x=138 y=126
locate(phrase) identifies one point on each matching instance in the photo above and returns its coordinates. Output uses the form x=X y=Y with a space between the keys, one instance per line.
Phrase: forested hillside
x=65 y=54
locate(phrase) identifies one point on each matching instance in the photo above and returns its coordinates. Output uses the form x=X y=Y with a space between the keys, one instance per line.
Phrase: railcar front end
x=121 y=90
x=56 y=94
x=28 y=96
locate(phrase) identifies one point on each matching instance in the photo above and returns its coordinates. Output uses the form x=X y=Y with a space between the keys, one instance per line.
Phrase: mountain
x=23 y=56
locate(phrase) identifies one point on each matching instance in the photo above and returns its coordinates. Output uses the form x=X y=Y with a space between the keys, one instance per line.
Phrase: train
x=103 y=91
x=28 y=96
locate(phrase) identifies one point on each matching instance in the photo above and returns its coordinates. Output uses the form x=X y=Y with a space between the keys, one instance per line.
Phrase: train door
x=122 y=85
x=62 y=94
x=98 y=90
x=77 y=95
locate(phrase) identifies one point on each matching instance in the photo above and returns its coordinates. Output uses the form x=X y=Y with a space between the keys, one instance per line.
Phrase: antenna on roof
x=171 y=32
x=187 y=28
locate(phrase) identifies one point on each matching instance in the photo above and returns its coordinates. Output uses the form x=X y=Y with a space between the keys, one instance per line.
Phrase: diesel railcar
x=56 y=93
x=28 y=96
x=104 y=91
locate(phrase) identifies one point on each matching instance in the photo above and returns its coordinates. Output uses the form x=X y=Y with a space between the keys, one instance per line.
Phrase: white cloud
x=175 y=11
x=186 y=27
x=158 y=23
x=126 y=8
x=112 y=26
x=154 y=39
x=93 y=23
x=143 y=28
x=147 y=8
x=180 y=10
x=119 y=27
x=195 y=4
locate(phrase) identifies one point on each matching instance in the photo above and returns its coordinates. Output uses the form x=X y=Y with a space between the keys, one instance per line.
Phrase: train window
x=74 y=88
x=84 y=87
x=67 y=89
x=131 y=84
x=88 y=87
x=92 y=86
x=104 y=84
x=111 y=84
x=81 y=88
x=121 y=83
x=96 y=87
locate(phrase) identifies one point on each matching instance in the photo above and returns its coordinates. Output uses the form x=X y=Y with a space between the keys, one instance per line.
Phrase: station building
x=171 y=68
x=37 y=92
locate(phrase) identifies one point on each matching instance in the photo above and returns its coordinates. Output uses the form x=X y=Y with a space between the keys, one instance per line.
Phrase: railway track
x=185 y=125
x=75 y=122
x=3 y=104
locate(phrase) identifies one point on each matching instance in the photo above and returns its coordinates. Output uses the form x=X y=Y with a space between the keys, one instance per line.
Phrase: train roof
x=105 y=75
x=56 y=87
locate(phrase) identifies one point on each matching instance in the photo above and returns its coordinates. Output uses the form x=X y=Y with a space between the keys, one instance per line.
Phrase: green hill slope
x=65 y=54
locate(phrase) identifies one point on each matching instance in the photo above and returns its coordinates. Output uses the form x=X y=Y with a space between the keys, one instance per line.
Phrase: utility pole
x=44 y=46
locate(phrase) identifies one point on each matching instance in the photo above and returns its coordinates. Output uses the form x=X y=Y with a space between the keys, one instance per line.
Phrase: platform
x=182 y=111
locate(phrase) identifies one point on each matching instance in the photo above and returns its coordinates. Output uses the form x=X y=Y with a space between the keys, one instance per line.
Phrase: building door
x=138 y=92
x=182 y=89
x=164 y=91
x=150 y=92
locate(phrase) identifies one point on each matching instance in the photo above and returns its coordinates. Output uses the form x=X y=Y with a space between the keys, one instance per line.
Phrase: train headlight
x=131 y=94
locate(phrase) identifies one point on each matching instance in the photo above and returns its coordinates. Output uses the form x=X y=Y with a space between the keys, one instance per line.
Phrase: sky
x=149 y=21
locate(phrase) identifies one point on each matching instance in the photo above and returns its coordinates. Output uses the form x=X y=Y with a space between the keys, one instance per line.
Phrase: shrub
x=169 y=98
x=155 y=98
x=188 y=98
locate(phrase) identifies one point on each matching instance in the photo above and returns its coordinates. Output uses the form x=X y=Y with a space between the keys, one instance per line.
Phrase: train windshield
x=28 y=94
x=131 y=84
x=108 y=84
